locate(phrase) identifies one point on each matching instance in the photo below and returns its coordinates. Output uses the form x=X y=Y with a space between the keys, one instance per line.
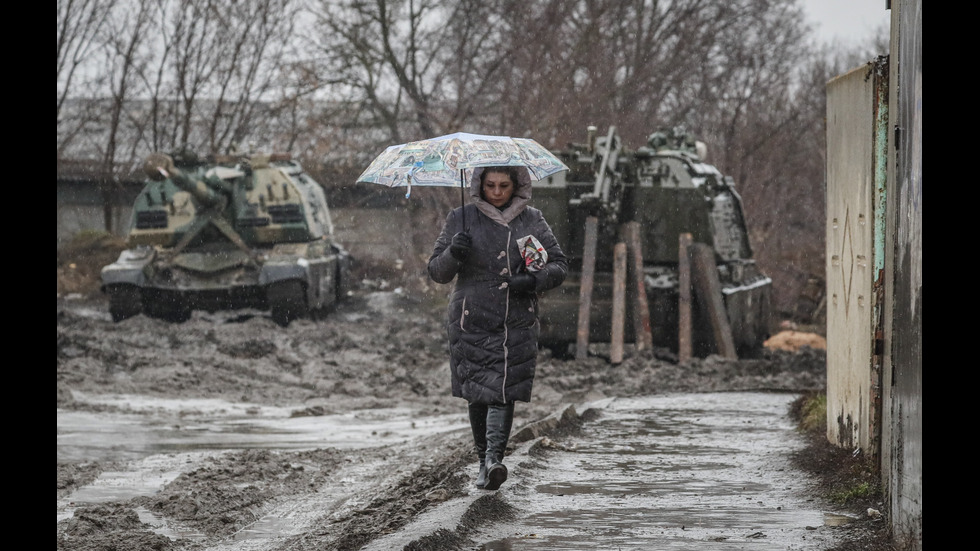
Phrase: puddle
x=145 y=427
x=836 y=519
x=159 y=526
x=156 y=438
x=268 y=527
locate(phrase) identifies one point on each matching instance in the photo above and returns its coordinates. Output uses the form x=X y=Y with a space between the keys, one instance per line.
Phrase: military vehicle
x=227 y=233
x=667 y=190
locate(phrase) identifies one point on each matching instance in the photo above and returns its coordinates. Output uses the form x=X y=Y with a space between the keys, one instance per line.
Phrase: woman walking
x=504 y=256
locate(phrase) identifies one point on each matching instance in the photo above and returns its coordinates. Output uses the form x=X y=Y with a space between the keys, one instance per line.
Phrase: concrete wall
x=376 y=234
x=853 y=229
x=80 y=208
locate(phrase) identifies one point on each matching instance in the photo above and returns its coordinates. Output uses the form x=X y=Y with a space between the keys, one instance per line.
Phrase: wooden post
x=704 y=275
x=684 y=299
x=585 y=287
x=641 y=309
x=619 y=303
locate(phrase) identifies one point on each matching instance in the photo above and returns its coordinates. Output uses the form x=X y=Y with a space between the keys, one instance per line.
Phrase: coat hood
x=520 y=199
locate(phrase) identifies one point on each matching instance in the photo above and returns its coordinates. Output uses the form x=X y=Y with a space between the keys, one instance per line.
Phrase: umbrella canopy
x=442 y=161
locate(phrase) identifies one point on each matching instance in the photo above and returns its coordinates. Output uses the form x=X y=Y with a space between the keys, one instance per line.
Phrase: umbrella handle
x=462 y=198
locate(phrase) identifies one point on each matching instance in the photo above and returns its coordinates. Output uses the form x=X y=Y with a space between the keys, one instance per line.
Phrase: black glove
x=522 y=282
x=460 y=246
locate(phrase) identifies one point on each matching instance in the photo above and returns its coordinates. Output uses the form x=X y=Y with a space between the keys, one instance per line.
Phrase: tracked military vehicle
x=227 y=233
x=666 y=189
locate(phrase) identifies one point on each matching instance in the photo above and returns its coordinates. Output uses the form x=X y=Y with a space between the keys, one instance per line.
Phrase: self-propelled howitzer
x=227 y=233
x=667 y=189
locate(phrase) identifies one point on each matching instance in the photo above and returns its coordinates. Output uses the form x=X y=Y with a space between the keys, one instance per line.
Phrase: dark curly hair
x=509 y=170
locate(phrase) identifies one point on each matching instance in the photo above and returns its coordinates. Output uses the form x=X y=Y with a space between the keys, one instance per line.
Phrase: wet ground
x=653 y=472
x=162 y=436
x=688 y=471
x=228 y=432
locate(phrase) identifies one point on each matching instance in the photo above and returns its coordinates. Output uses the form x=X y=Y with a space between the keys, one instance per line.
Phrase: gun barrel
x=159 y=166
x=205 y=194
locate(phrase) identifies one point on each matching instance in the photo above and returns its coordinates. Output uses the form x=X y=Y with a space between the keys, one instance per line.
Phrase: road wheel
x=287 y=301
x=167 y=306
x=124 y=302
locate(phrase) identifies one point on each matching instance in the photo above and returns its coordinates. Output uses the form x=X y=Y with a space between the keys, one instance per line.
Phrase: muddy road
x=230 y=432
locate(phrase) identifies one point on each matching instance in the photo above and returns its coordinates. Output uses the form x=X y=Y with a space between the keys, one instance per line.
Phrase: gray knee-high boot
x=500 y=418
x=478 y=424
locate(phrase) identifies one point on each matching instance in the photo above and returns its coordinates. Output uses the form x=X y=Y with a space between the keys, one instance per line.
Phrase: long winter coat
x=493 y=331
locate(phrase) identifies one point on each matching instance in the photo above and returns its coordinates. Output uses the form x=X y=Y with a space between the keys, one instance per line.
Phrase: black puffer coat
x=493 y=332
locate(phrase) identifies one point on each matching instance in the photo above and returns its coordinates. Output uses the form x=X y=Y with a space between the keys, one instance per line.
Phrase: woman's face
x=497 y=188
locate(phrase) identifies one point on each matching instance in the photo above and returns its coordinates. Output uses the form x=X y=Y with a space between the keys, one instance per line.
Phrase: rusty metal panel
x=880 y=70
x=854 y=227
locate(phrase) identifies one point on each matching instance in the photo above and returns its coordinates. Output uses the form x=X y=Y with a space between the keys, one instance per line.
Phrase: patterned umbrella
x=438 y=161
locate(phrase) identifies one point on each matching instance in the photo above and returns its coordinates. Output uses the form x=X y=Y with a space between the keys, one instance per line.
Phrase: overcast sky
x=846 y=21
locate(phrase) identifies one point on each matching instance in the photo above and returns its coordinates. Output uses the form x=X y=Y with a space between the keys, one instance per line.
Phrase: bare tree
x=197 y=46
x=125 y=35
x=519 y=79
x=157 y=81
x=378 y=55
x=255 y=35
x=79 y=25
x=430 y=63
x=197 y=73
